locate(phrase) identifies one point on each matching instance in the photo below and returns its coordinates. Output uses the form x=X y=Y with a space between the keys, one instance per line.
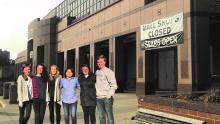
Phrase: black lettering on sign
x=159 y=32
x=163 y=42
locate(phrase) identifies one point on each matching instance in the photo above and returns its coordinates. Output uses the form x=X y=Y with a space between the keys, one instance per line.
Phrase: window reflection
x=79 y=8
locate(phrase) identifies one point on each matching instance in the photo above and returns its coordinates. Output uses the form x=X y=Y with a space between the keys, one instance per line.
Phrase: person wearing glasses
x=87 y=82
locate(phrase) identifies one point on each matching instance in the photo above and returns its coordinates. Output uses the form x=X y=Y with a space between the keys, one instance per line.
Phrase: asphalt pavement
x=125 y=106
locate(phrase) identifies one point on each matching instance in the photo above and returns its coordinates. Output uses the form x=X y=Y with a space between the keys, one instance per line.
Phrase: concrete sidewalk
x=125 y=106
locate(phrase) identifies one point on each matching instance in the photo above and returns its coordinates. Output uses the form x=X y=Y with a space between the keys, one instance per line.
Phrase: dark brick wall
x=207 y=117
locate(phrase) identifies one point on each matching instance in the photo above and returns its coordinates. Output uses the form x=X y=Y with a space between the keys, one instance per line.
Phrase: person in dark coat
x=88 y=94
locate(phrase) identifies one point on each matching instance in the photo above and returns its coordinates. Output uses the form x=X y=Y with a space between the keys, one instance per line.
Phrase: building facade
x=42 y=42
x=68 y=36
x=115 y=32
x=77 y=31
x=7 y=70
x=19 y=61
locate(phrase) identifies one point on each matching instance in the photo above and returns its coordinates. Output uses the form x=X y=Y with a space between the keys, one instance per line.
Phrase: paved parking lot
x=125 y=106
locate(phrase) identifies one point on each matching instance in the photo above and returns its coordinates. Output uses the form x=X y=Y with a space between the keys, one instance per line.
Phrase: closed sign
x=162 y=33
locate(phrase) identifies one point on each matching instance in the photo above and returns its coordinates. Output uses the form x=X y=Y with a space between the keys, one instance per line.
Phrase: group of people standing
x=43 y=88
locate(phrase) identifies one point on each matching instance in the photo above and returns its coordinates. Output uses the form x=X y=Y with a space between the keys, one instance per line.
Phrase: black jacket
x=87 y=90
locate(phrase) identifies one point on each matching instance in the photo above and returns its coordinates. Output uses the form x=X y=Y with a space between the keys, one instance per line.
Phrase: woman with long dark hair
x=54 y=93
x=88 y=94
x=39 y=83
x=68 y=86
x=24 y=90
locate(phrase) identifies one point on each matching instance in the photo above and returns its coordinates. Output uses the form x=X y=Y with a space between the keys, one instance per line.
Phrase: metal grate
x=144 y=118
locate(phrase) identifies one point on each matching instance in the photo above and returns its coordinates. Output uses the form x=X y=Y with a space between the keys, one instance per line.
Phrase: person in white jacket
x=105 y=89
x=24 y=90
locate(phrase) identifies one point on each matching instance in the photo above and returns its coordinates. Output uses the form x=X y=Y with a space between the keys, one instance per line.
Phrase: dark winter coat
x=87 y=90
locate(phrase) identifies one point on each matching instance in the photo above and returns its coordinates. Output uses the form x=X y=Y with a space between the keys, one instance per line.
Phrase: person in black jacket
x=88 y=94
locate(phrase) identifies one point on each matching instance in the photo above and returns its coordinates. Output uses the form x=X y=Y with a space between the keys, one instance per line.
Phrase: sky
x=15 y=15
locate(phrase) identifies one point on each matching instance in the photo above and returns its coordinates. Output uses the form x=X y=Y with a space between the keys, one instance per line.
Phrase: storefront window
x=88 y=4
x=88 y=12
x=98 y=5
x=78 y=10
x=111 y=1
x=85 y=6
x=78 y=2
x=107 y=2
x=102 y=3
x=91 y=2
x=95 y=7
x=91 y=9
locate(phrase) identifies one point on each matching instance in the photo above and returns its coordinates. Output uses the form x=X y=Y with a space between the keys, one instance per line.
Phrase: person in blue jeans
x=68 y=86
x=105 y=89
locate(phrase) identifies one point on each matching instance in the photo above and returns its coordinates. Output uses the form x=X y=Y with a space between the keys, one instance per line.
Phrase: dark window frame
x=148 y=1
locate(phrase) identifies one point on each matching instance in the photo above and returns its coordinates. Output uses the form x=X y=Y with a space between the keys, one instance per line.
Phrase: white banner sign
x=163 y=32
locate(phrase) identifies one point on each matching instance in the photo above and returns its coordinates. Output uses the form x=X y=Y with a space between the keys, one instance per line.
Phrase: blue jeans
x=70 y=109
x=105 y=108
